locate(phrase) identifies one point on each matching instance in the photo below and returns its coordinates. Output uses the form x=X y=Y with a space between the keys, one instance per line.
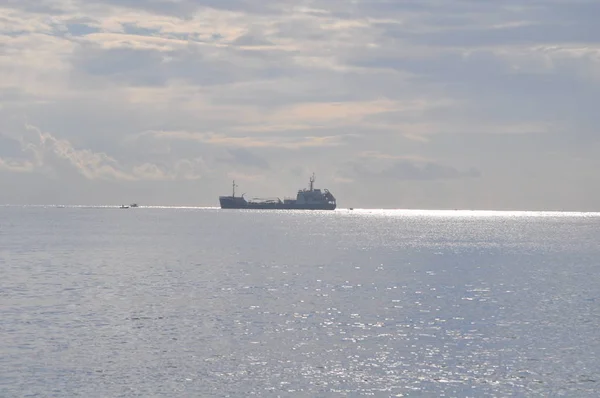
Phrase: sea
x=204 y=302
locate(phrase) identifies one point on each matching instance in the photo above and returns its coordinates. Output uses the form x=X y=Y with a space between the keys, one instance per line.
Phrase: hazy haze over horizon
x=418 y=104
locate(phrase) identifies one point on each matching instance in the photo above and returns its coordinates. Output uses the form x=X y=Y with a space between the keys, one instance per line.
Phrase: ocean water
x=166 y=302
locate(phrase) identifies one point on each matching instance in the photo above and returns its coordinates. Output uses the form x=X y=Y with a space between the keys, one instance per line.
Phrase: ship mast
x=233 y=185
x=312 y=181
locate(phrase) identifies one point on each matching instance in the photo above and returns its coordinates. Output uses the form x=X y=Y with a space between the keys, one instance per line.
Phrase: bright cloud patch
x=48 y=153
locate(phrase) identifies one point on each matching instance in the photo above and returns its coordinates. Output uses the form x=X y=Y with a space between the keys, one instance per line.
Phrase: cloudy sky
x=431 y=104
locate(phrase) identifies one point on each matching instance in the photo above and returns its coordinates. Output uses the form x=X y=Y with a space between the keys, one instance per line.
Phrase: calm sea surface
x=151 y=302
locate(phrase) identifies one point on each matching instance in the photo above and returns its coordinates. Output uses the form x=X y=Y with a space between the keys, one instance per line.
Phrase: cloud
x=244 y=157
x=50 y=154
x=186 y=8
x=183 y=169
x=17 y=166
x=46 y=7
x=251 y=39
x=406 y=170
x=241 y=176
x=473 y=94
x=370 y=155
x=378 y=167
x=246 y=141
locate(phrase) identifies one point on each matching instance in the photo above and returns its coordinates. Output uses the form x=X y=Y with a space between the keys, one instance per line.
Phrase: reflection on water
x=204 y=302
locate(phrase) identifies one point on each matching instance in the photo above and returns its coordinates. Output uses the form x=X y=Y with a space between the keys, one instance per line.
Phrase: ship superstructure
x=306 y=199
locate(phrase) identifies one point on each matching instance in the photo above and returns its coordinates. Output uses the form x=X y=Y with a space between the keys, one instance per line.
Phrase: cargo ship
x=306 y=199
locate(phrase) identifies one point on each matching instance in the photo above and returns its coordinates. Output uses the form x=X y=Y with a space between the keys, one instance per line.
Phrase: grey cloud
x=10 y=147
x=50 y=7
x=488 y=23
x=500 y=89
x=434 y=9
x=444 y=66
x=199 y=65
x=244 y=157
x=251 y=39
x=529 y=34
x=303 y=29
x=407 y=170
x=14 y=95
x=141 y=67
x=48 y=154
x=81 y=29
x=305 y=85
x=134 y=29
x=186 y=8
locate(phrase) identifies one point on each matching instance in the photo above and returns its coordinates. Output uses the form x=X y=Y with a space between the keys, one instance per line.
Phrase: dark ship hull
x=306 y=199
x=232 y=203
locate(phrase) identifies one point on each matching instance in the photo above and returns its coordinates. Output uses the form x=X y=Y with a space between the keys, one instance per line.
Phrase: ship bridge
x=314 y=196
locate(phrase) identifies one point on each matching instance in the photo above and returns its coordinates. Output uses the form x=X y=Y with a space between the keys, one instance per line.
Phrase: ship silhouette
x=306 y=199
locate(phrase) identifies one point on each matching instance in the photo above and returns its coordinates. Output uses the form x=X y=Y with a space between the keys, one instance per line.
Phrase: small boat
x=133 y=205
x=124 y=207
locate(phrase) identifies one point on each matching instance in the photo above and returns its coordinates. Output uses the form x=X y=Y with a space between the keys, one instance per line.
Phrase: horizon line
x=412 y=211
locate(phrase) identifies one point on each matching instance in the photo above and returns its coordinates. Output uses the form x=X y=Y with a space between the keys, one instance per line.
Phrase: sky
x=428 y=104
